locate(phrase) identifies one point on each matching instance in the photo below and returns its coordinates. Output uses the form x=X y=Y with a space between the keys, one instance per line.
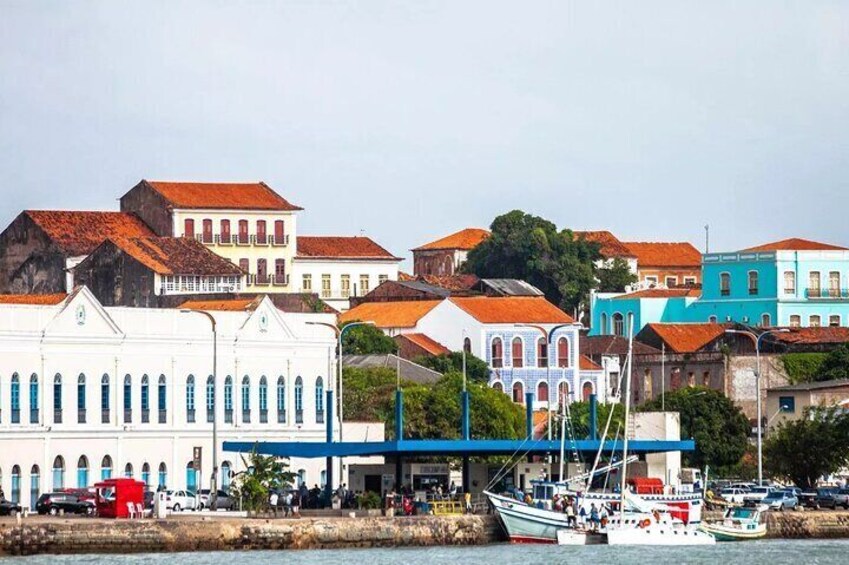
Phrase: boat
x=525 y=523
x=572 y=536
x=738 y=524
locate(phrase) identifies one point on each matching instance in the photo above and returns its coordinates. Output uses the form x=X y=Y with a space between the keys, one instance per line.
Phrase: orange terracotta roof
x=340 y=247
x=610 y=246
x=466 y=240
x=41 y=299
x=662 y=293
x=221 y=195
x=427 y=343
x=390 y=314
x=588 y=364
x=80 y=232
x=687 y=338
x=665 y=254
x=235 y=305
x=176 y=256
x=512 y=309
x=826 y=334
x=451 y=282
x=796 y=244
x=406 y=277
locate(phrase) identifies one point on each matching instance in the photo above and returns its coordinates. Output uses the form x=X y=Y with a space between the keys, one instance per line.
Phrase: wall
x=437 y=262
x=742 y=385
x=374 y=268
x=116 y=279
x=147 y=204
x=29 y=262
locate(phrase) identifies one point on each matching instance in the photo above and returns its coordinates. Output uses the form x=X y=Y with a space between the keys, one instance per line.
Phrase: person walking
x=570 y=515
x=296 y=504
x=272 y=502
x=594 y=519
x=467 y=497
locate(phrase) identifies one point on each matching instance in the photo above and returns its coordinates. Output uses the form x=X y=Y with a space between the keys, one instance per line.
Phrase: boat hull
x=655 y=536
x=726 y=533
x=527 y=524
x=577 y=537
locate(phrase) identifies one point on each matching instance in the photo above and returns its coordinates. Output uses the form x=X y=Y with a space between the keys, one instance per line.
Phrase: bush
x=803 y=367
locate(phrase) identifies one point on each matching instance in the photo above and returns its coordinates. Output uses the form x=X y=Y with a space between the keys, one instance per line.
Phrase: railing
x=346 y=293
x=105 y=416
x=190 y=416
x=242 y=239
x=280 y=241
x=325 y=293
x=260 y=239
x=16 y=416
x=827 y=293
x=262 y=280
x=210 y=416
x=223 y=239
x=319 y=416
x=281 y=416
x=725 y=292
x=281 y=280
x=246 y=416
x=197 y=284
x=228 y=416
x=81 y=415
x=299 y=416
x=145 y=416
x=263 y=416
x=57 y=415
x=753 y=291
x=163 y=416
x=33 y=416
x=128 y=415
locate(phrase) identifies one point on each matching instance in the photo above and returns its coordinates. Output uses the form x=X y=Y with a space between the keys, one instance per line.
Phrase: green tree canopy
x=835 y=365
x=264 y=473
x=719 y=428
x=615 y=276
x=476 y=369
x=367 y=340
x=811 y=447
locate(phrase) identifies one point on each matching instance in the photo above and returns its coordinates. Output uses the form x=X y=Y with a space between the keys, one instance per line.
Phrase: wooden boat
x=738 y=524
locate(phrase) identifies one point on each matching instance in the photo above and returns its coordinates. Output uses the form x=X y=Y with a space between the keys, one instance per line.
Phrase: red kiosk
x=115 y=497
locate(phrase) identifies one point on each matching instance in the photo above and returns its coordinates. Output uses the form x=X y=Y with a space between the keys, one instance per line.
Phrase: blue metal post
x=328 y=414
x=464 y=399
x=593 y=417
x=529 y=414
x=399 y=415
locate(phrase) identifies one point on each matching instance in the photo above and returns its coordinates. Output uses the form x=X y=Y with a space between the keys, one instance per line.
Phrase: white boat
x=525 y=523
x=738 y=524
x=572 y=536
x=658 y=533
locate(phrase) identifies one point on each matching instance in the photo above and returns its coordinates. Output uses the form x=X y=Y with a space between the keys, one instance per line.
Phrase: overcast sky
x=410 y=120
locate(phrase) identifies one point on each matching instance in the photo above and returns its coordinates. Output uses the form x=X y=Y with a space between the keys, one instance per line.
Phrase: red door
x=243 y=231
x=260 y=231
x=207 y=231
x=189 y=228
x=278 y=232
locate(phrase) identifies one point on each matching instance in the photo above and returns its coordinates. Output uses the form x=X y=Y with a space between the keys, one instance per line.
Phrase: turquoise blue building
x=790 y=283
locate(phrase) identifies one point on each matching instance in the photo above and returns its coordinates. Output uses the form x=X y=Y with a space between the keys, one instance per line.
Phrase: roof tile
x=427 y=343
x=176 y=256
x=390 y=314
x=512 y=310
x=78 y=232
x=466 y=240
x=828 y=334
x=610 y=246
x=796 y=244
x=693 y=292
x=221 y=195
x=341 y=247
x=234 y=305
x=687 y=338
x=39 y=299
x=665 y=254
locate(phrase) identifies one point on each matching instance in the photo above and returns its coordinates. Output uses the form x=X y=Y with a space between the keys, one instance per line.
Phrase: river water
x=772 y=552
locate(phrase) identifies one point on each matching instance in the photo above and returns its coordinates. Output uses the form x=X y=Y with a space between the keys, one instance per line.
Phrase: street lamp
x=213 y=494
x=757 y=341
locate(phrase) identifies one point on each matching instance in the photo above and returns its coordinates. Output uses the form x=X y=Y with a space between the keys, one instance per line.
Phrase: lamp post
x=213 y=494
x=756 y=339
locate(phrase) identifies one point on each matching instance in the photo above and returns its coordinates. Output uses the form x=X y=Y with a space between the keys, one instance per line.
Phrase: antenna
x=707 y=238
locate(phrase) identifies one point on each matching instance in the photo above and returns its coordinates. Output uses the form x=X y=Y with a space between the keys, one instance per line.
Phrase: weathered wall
x=148 y=205
x=29 y=262
x=106 y=536
x=439 y=262
x=116 y=279
x=742 y=385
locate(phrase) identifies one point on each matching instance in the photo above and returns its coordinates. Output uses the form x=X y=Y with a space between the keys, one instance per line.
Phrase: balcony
x=281 y=416
x=260 y=239
x=105 y=415
x=827 y=293
x=196 y=284
x=228 y=416
x=280 y=280
x=261 y=280
x=190 y=416
x=280 y=241
x=223 y=239
x=128 y=415
x=242 y=239
x=57 y=416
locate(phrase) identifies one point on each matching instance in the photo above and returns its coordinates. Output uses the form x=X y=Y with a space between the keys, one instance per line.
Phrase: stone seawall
x=805 y=525
x=42 y=535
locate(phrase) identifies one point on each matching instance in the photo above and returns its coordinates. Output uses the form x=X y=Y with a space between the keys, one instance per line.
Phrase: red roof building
x=682 y=338
x=340 y=247
x=220 y=196
x=667 y=263
x=444 y=256
x=796 y=244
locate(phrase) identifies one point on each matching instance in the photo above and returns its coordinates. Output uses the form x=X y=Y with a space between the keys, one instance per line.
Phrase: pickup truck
x=841 y=498
x=756 y=495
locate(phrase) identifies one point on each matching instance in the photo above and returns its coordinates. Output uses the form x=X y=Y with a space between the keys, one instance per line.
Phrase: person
x=582 y=514
x=296 y=504
x=558 y=503
x=467 y=497
x=594 y=519
x=570 y=515
x=452 y=490
x=603 y=517
x=287 y=505
x=272 y=501
x=2 y=494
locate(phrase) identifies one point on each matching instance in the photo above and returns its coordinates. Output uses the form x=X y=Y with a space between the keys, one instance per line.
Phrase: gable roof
x=687 y=338
x=465 y=240
x=78 y=232
x=825 y=334
x=610 y=246
x=511 y=310
x=425 y=342
x=341 y=247
x=510 y=287
x=588 y=364
x=409 y=371
x=390 y=314
x=613 y=345
x=796 y=244
x=221 y=195
x=38 y=299
x=693 y=292
x=234 y=305
x=450 y=282
x=665 y=254
x=176 y=256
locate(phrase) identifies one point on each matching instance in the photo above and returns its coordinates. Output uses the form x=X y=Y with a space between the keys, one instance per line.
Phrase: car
x=825 y=498
x=780 y=500
x=795 y=491
x=756 y=495
x=733 y=495
x=841 y=498
x=8 y=508
x=54 y=502
x=222 y=501
x=742 y=486
x=177 y=500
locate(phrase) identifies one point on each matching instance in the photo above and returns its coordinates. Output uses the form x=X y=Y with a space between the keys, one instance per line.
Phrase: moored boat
x=738 y=524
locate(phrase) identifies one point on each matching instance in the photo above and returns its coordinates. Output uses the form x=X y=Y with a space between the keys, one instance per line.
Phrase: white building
x=88 y=392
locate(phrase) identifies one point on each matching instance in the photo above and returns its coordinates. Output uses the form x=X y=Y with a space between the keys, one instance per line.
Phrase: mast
x=627 y=393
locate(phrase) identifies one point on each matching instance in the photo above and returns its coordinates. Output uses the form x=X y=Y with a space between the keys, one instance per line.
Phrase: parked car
x=756 y=495
x=222 y=501
x=8 y=508
x=733 y=495
x=52 y=502
x=177 y=500
x=795 y=491
x=826 y=498
x=743 y=486
x=841 y=498
x=780 y=500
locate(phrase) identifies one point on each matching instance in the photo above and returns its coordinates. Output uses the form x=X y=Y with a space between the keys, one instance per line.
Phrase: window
x=542 y=391
x=753 y=283
x=34 y=486
x=33 y=398
x=225 y=476
x=246 y=399
x=145 y=399
x=58 y=473
x=467 y=345
x=517 y=352
x=243 y=232
x=191 y=477
x=299 y=400
x=190 y=399
x=207 y=231
x=260 y=232
x=306 y=284
x=106 y=468
x=128 y=471
x=834 y=284
x=712 y=319
x=618 y=324
x=319 y=400
x=364 y=285
x=228 y=400
x=766 y=321
x=834 y=320
x=105 y=413
x=648 y=385
x=128 y=399
x=562 y=352
x=563 y=392
x=325 y=286
x=497 y=352
x=16 y=484
x=518 y=393
x=789 y=282
x=57 y=399
x=263 y=400
x=161 y=398
x=651 y=280
x=82 y=472
x=787 y=404
x=225 y=231
x=382 y=279
x=691 y=379
x=279 y=232
x=671 y=281
x=498 y=386
x=346 y=286
x=81 y=399
x=587 y=391
x=189 y=228
x=814 y=321
x=15 y=396
x=689 y=280
x=163 y=476
x=281 y=400
x=706 y=379
x=603 y=324
x=261 y=271
x=814 y=284
x=245 y=265
x=795 y=321
x=280 y=272
x=145 y=474
x=542 y=352
x=725 y=284
x=210 y=398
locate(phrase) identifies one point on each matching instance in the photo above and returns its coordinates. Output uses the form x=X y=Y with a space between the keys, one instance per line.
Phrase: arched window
x=82 y=472
x=319 y=400
x=81 y=400
x=675 y=379
x=191 y=477
x=302 y=476
x=725 y=284
x=542 y=391
x=263 y=400
x=16 y=484
x=467 y=345
x=766 y=321
x=517 y=350
x=228 y=399
x=281 y=400
x=57 y=399
x=106 y=468
x=542 y=352
x=586 y=391
x=498 y=386
x=497 y=348
x=162 y=400
x=226 y=476
x=145 y=399
x=145 y=473
x=814 y=321
x=795 y=320
x=34 y=486
x=246 y=399
x=603 y=329
x=128 y=471
x=518 y=393
x=210 y=398
x=33 y=399
x=299 y=400
x=104 y=400
x=618 y=324
x=562 y=352
x=58 y=473
x=712 y=319
x=190 y=399
x=789 y=282
x=562 y=392
x=753 y=283
x=162 y=483
x=128 y=399
x=15 y=397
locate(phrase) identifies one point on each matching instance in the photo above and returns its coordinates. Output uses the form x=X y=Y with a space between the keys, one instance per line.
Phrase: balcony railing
x=280 y=280
x=725 y=292
x=263 y=416
x=81 y=415
x=57 y=415
x=223 y=239
x=145 y=416
x=33 y=416
x=280 y=241
x=261 y=280
x=105 y=415
x=196 y=284
x=16 y=416
x=299 y=416
x=128 y=415
x=260 y=239
x=281 y=416
x=228 y=416
x=190 y=416
x=246 y=416
x=827 y=293
x=242 y=239
x=319 y=416
x=163 y=416
x=210 y=415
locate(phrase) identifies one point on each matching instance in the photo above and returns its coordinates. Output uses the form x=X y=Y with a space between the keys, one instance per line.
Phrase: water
x=772 y=552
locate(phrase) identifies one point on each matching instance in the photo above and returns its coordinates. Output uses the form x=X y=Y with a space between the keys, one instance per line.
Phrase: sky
x=406 y=121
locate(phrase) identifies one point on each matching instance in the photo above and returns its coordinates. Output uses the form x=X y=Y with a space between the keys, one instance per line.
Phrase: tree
x=615 y=276
x=367 y=340
x=264 y=473
x=719 y=428
x=835 y=365
x=476 y=369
